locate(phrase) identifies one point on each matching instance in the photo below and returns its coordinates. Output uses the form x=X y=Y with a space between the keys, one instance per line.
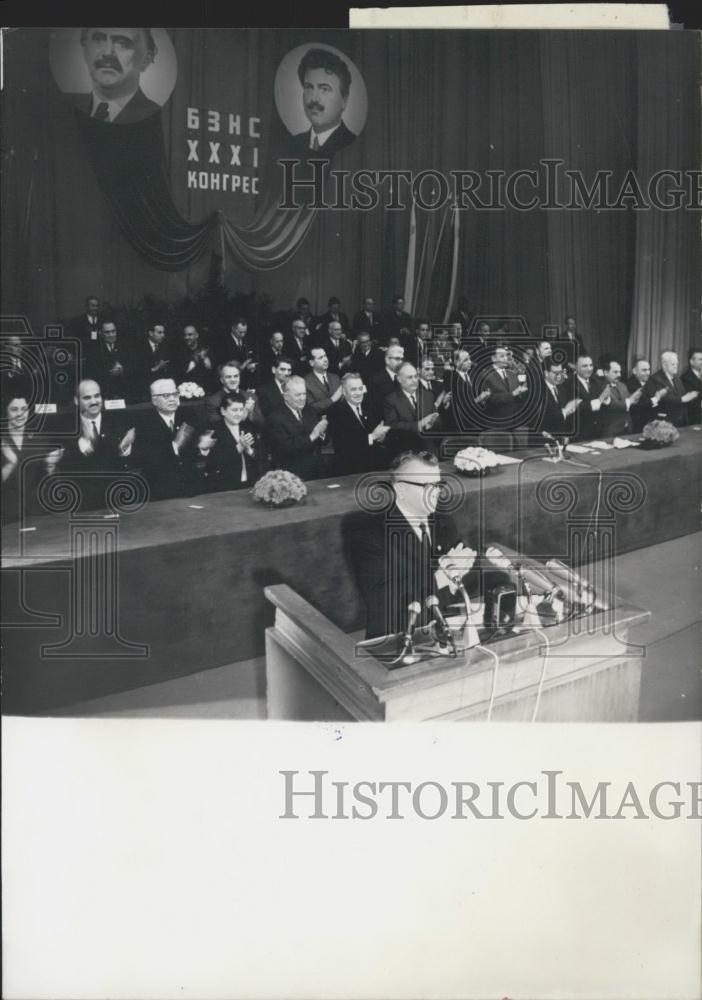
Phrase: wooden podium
x=587 y=673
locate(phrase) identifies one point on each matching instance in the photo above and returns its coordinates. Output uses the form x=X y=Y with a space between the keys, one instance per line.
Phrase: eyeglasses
x=440 y=484
x=166 y=395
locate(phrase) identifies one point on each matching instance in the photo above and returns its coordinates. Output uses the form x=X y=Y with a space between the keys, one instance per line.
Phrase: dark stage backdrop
x=110 y=212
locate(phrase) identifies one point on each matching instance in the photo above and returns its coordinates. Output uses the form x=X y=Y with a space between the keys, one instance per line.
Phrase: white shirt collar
x=416 y=523
x=323 y=136
x=88 y=422
x=113 y=106
x=322 y=376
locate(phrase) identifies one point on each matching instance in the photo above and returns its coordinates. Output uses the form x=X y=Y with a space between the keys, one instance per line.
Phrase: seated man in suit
x=584 y=386
x=367 y=320
x=427 y=378
x=395 y=320
x=297 y=346
x=230 y=384
x=109 y=365
x=116 y=58
x=102 y=447
x=194 y=362
x=238 y=345
x=641 y=411
x=338 y=349
x=691 y=378
x=296 y=434
x=323 y=386
x=385 y=381
x=673 y=403
x=356 y=442
x=151 y=359
x=270 y=395
x=410 y=552
x=272 y=350
x=231 y=453
x=366 y=357
x=556 y=410
x=411 y=407
x=165 y=448
x=614 y=412
x=332 y=315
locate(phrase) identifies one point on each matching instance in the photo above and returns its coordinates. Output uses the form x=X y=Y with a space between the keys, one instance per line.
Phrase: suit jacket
x=135 y=110
x=587 y=422
x=398 y=412
x=341 y=137
x=338 y=356
x=614 y=417
x=298 y=354
x=464 y=413
x=105 y=458
x=228 y=349
x=393 y=568
x=692 y=382
x=167 y=474
x=392 y=324
x=501 y=407
x=380 y=385
x=550 y=413
x=363 y=323
x=642 y=412
x=354 y=453
x=144 y=370
x=291 y=446
x=318 y=397
x=199 y=372
x=85 y=329
x=223 y=467
x=366 y=365
x=269 y=398
x=214 y=417
x=100 y=362
x=322 y=322
x=671 y=404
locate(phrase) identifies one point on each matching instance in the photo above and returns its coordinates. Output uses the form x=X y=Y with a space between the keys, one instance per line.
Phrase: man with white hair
x=410 y=552
x=296 y=433
x=165 y=446
x=411 y=407
x=672 y=402
x=356 y=441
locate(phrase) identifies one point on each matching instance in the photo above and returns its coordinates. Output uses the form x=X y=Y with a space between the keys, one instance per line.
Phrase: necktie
x=102 y=112
x=326 y=382
x=94 y=434
x=172 y=427
x=413 y=401
x=315 y=142
x=359 y=414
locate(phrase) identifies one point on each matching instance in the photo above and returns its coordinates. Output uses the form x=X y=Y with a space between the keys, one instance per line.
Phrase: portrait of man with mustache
x=116 y=58
x=326 y=82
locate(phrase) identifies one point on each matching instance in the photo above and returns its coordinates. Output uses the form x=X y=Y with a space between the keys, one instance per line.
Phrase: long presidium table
x=94 y=604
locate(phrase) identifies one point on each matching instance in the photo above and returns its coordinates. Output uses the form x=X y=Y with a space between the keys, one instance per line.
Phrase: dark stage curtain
x=445 y=101
x=666 y=295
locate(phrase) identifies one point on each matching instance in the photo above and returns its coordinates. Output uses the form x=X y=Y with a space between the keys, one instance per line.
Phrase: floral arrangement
x=190 y=390
x=475 y=460
x=660 y=432
x=279 y=488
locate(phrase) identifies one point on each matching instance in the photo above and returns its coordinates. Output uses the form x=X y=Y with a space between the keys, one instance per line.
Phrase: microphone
x=586 y=592
x=504 y=558
x=443 y=631
x=549 y=437
x=414 y=610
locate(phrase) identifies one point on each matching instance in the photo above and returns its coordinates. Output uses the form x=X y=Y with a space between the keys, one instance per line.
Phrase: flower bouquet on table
x=190 y=390
x=279 y=488
x=659 y=434
x=475 y=462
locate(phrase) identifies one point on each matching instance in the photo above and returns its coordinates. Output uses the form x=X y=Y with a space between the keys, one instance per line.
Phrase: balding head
x=88 y=398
